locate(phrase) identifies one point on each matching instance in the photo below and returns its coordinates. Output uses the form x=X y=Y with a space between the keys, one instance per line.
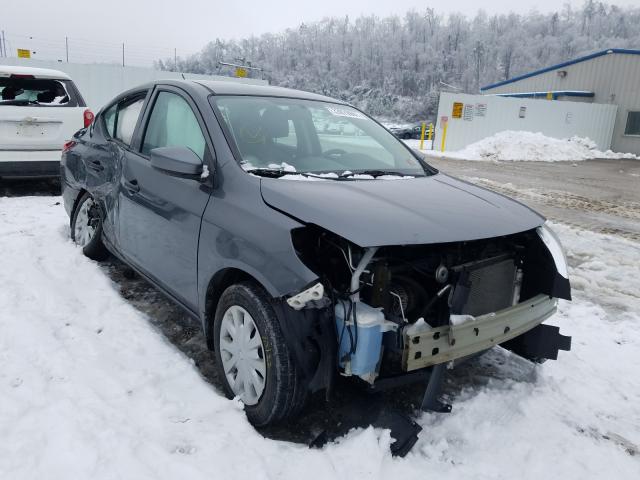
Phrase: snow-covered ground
x=89 y=389
x=526 y=146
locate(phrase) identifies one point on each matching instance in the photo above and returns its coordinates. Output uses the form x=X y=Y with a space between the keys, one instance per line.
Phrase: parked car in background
x=306 y=255
x=40 y=109
x=407 y=131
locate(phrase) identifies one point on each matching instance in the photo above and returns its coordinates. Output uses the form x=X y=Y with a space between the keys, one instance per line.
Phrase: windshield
x=31 y=91
x=294 y=135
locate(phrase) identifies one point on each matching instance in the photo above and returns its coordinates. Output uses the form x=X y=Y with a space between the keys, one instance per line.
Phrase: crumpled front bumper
x=443 y=344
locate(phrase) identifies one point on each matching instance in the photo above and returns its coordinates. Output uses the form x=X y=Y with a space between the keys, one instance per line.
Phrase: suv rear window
x=21 y=91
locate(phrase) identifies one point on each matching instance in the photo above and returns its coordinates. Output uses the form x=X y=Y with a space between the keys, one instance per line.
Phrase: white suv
x=40 y=109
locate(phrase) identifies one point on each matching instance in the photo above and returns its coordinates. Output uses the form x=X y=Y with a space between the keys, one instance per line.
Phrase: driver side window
x=172 y=123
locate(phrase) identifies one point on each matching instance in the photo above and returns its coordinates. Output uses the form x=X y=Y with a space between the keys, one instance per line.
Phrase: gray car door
x=160 y=213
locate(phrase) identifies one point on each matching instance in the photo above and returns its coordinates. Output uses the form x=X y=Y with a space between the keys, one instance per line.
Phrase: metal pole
x=1 y=51
x=66 y=46
x=4 y=44
x=175 y=59
x=444 y=136
x=123 y=54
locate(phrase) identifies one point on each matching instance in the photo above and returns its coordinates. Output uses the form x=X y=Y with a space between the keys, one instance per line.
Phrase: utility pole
x=478 y=52
x=1 y=43
x=4 y=44
x=123 y=54
x=66 y=46
x=175 y=59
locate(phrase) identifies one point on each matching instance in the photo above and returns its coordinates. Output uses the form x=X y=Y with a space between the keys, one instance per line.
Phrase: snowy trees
x=394 y=66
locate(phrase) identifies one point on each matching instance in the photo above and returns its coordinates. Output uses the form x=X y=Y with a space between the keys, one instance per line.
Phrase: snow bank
x=89 y=389
x=529 y=146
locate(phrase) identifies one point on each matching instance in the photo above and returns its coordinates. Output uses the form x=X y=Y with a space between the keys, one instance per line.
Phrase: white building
x=100 y=82
x=610 y=77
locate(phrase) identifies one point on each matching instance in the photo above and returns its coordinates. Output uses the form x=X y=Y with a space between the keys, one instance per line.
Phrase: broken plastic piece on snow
x=540 y=343
x=430 y=402
x=404 y=431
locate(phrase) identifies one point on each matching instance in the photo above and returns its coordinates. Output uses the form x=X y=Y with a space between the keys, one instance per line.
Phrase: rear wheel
x=252 y=358
x=86 y=227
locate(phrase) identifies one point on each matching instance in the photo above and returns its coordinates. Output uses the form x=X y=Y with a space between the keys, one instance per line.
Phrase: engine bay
x=382 y=297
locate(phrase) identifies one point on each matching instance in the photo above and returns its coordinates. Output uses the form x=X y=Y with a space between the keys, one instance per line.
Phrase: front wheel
x=252 y=358
x=86 y=227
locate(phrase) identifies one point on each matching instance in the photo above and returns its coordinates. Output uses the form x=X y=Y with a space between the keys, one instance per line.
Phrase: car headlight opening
x=552 y=242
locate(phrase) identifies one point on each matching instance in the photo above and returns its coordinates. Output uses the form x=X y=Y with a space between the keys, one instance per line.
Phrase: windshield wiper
x=277 y=173
x=376 y=173
x=269 y=172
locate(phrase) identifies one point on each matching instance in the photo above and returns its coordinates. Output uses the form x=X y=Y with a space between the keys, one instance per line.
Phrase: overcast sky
x=153 y=28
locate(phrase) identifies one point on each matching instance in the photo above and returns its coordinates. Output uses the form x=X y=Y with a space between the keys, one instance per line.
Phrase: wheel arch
x=218 y=283
x=79 y=195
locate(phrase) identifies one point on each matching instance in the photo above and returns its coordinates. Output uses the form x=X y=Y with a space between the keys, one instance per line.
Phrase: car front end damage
x=393 y=314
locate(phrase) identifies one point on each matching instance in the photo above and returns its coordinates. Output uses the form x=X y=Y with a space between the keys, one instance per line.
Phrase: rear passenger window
x=172 y=123
x=120 y=119
x=110 y=120
x=126 y=120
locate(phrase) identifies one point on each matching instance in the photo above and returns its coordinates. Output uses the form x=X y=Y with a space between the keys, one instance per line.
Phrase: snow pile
x=89 y=389
x=529 y=146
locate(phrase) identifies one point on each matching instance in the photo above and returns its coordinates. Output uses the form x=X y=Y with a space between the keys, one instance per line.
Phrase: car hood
x=371 y=213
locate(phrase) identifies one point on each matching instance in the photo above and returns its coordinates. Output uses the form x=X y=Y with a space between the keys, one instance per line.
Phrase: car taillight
x=88 y=117
x=68 y=146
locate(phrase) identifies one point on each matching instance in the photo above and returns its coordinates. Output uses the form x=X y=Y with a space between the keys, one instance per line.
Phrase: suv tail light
x=88 y=117
x=68 y=146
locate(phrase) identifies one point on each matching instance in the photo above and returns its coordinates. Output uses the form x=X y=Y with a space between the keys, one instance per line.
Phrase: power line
x=90 y=50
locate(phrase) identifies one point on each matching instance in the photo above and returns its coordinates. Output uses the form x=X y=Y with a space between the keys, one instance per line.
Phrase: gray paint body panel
x=427 y=210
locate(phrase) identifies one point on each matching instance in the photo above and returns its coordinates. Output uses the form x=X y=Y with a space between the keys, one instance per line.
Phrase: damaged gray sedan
x=307 y=255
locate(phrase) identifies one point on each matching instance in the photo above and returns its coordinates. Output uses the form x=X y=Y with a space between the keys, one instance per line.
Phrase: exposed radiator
x=491 y=289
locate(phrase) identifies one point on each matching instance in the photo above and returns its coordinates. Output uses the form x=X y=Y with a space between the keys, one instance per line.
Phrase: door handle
x=132 y=186
x=95 y=165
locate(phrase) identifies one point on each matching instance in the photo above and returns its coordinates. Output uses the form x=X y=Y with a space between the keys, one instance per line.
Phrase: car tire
x=86 y=227
x=283 y=393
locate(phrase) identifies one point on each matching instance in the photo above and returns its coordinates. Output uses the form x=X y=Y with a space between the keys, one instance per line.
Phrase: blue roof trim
x=560 y=65
x=555 y=94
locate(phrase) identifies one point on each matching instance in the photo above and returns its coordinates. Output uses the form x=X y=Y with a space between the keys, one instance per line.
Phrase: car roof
x=234 y=87
x=8 y=70
x=226 y=87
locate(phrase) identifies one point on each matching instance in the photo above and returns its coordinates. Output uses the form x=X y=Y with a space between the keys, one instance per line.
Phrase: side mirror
x=176 y=160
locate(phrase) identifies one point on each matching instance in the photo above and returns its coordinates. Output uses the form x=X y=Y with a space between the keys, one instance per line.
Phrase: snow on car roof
x=7 y=70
